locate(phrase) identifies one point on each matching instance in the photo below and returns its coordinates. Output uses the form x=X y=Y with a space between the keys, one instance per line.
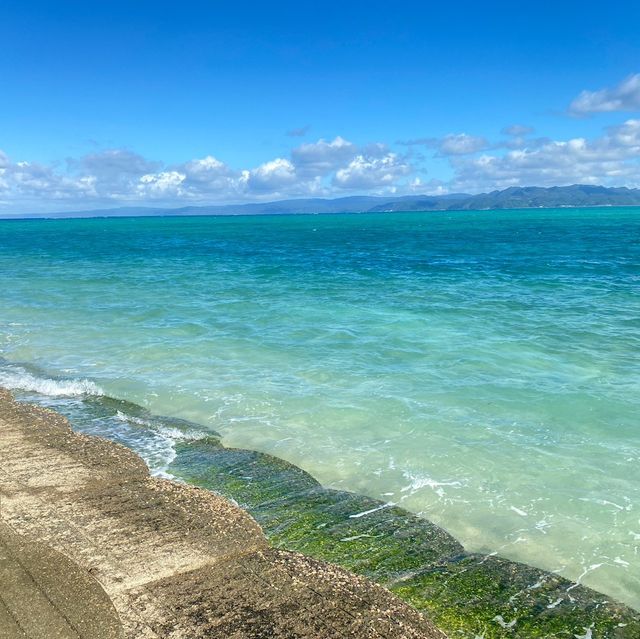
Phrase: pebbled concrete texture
x=92 y=547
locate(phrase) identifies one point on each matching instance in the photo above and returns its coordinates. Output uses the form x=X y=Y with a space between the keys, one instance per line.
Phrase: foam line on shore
x=299 y=514
x=174 y=560
x=18 y=378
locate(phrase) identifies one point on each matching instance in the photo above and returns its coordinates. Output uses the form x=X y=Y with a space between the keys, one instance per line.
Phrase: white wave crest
x=158 y=447
x=168 y=432
x=23 y=380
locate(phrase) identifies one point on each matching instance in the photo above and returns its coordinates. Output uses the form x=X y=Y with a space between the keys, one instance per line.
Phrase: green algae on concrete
x=92 y=546
x=466 y=594
x=494 y=597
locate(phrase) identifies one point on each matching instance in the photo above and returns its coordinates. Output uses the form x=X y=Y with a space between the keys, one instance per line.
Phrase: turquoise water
x=479 y=368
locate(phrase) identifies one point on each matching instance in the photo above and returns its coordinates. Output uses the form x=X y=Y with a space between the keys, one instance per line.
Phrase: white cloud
x=624 y=136
x=116 y=177
x=623 y=97
x=461 y=144
x=206 y=167
x=115 y=164
x=4 y=164
x=372 y=173
x=610 y=159
x=517 y=137
x=321 y=157
x=270 y=176
x=116 y=172
x=208 y=176
x=325 y=168
x=161 y=185
x=27 y=180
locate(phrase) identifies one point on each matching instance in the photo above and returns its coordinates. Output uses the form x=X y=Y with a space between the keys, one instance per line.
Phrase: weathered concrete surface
x=44 y=594
x=85 y=533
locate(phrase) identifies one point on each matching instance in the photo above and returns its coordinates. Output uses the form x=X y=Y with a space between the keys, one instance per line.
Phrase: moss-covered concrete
x=468 y=595
x=93 y=547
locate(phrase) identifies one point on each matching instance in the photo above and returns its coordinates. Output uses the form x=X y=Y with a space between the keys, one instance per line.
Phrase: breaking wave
x=21 y=379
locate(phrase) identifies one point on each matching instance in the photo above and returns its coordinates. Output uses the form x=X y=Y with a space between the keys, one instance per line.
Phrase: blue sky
x=158 y=103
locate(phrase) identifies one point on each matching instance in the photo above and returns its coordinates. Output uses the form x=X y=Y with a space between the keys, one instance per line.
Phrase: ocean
x=481 y=369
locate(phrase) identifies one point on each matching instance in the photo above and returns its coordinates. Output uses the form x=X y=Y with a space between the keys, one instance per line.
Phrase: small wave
x=17 y=379
x=168 y=432
x=123 y=417
x=158 y=446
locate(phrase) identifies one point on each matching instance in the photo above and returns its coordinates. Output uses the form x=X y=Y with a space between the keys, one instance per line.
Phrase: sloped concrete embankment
x=92 y=547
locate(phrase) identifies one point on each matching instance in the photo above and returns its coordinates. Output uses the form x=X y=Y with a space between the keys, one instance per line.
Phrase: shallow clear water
x=480 y=368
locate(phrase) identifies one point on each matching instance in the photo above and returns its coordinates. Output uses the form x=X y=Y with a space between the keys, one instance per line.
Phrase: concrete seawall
x=91 y=546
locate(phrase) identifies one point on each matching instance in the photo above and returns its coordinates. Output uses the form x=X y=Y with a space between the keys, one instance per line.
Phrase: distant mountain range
x=516 y=197
x=512 y=198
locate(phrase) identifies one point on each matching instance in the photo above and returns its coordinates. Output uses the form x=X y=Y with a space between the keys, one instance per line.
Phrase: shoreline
x=86 y=404
x=172 y=560
x=304 y=214
x=466 y=594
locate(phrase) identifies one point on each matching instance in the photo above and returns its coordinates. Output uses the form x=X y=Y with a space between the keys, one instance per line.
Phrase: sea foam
x=20 y=379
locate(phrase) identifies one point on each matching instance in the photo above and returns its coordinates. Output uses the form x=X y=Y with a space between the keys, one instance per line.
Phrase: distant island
x=515 y=197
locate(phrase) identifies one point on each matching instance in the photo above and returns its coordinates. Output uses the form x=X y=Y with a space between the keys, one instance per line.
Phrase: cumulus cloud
x=610 y=159
x=115 y=163
x=28 y=180
x=623 y=97
x=161 y=185
x=270 y=176
x=325 y=168
x=207 y=176
x=115 y=177
x=461 y=144
x=518 y=137
x=313 y=169
x=116 y=172
x=321 y=157
x=371 y=172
